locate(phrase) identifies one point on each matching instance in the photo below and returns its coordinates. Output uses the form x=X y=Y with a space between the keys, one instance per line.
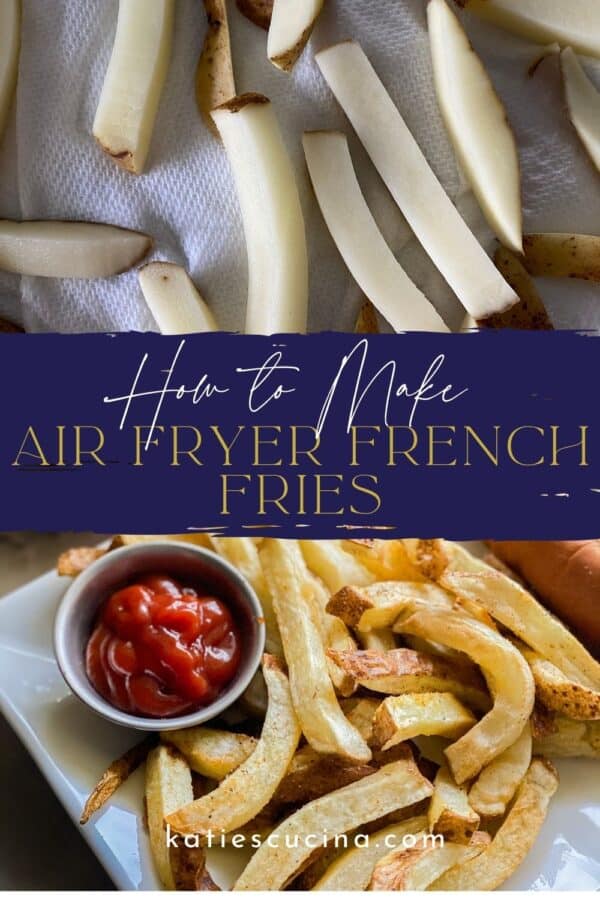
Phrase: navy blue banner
x=462 y=436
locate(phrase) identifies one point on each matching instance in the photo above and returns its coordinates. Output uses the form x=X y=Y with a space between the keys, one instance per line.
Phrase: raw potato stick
x=134 y=81
x=477 y=124
x=573 y=23
x=429 y=211
x=272 y=215
x=174 y=300
x=292 y=22
x=10 y=44
x=358 y=238
x=583 y=102
x=529 y=313
x=215 y=82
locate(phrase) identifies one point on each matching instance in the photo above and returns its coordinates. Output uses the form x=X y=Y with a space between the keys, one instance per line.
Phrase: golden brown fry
x=449 y=810
x=168 y=787
x=188 y=867
x=496 y=785
x=334 y=565
x=563 y=255
x=391 y=788
x=323 y=723
x=258 y=11
x=515 y=608
x=513 y=840
x=379 y=605
x=405 y=671
x=311 y=775
x=210 y=751
x=378 y=640
x=215 y=82
x=366 y=320
x=409 y=715
x=73 y=562
x=417 y=868
x=387 y=560
x=353 y=869
x=360 y=712
x=513 y=696
x=569 y=739
x=529 y=313
x=559 y=693
x=117 y=774
x=244 y=793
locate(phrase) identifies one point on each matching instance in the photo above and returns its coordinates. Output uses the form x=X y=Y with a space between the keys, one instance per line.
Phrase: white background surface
x=51 y=167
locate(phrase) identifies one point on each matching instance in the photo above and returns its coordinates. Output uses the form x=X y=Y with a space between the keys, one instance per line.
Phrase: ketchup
x=159 y=649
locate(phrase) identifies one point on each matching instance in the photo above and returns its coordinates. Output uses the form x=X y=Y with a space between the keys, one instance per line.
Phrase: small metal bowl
x=191 y=564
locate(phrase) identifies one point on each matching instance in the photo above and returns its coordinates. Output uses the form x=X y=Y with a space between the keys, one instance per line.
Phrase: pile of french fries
x=408 y=687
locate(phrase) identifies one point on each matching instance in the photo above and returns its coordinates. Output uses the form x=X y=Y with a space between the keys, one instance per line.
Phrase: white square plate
x=72 y=747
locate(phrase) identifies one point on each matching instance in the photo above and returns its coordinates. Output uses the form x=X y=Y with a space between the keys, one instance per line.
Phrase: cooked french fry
x=392 y=788
x=211 y=752
x=353 y=869
x=449 y=810
x=432 y=747
x=416 y=869
x=168 y=787
x=496 y=785
x=334 y=566
x=116 y=774
x=512 y=841
x=243 y=554
x=215 y=82
x=404 y=671
x=188 y=867
x=569 y=739
x=513 y=696
x=529 y=313
x=337 y=637
x=378 y=640
x=559 y=693
x=323 y=723
x=515 y=608
x=360 y=712
x=74 y=561
x=562 y=255
x=379 y=605
x=134 y=81
x=387 y=560
x=409 y=715
x=247 y=790
x=311 y=775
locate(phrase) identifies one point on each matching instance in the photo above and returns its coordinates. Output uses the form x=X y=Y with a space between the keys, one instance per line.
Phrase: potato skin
x=565 y=575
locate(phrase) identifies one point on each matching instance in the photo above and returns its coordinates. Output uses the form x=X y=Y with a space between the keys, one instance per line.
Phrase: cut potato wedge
x=449 y=811
x=529 y=313
x=583 y=102
x=559 y=255
x=429 y=211
x=573 y=23
x=291 y=24
x=215 y=82
x=168 y=787
x=358 y=238
x=10 y=44
x=415 y=869
x=174 y=300
x=477 y=125
x=134 y=81
x=497 y=783
x=272 y=214
x=69 y=249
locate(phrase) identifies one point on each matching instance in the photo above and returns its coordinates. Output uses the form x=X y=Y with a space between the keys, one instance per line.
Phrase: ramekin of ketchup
x=159 y=631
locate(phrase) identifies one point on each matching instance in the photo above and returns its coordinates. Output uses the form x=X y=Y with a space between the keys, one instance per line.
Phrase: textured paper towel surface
x=51 y=167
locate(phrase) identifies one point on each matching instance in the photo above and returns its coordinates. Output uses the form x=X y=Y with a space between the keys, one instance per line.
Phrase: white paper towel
x=50 y=165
